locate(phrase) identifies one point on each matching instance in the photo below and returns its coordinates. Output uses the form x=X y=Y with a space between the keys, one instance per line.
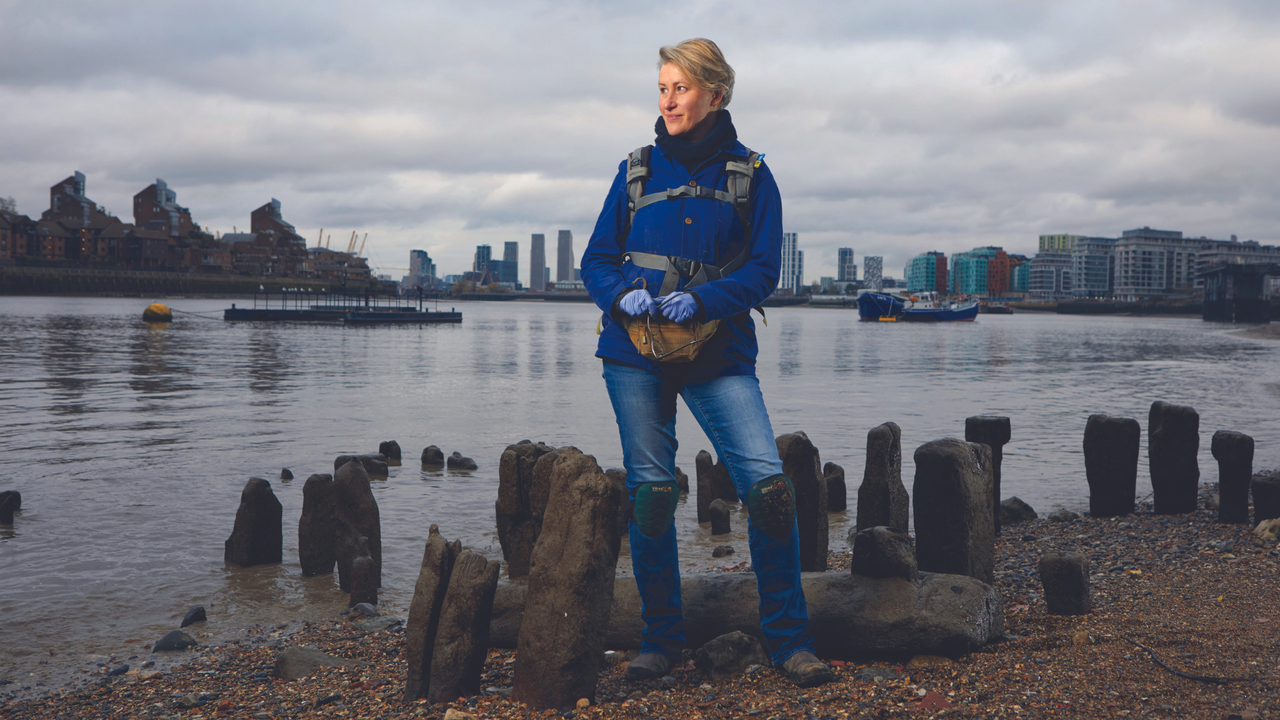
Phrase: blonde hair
x=705 y=65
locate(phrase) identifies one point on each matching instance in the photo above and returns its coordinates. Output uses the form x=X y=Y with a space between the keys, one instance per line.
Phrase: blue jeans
x=731 y=411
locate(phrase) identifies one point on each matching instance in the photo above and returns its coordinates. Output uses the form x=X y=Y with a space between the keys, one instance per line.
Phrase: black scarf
x=691 y=154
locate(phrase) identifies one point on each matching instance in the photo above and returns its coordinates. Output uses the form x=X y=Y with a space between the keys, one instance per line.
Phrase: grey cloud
x=895 y=127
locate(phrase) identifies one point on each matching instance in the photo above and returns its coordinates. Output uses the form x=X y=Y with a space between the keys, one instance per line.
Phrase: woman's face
x=686 y=108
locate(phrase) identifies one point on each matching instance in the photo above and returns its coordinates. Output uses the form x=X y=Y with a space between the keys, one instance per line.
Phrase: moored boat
x=880 y=306
x=928 y=307
x=921 y=307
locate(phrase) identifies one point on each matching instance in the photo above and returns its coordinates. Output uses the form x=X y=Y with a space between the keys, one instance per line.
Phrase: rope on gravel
x=1198 y=678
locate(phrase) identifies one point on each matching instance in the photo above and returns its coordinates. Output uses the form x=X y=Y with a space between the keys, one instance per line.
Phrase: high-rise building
x=422 y=271
x=510 y=270
x=538 y=263
x=484 y=255
x=1093 y=265
x=927 y=272
x=1152 y=264
x=846 y=266
x=873 y=272
x=1050 y=276
x=792 y=276
x=564 y=257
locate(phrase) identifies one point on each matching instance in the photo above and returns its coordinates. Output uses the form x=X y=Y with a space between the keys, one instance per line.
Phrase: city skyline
x=939 y=126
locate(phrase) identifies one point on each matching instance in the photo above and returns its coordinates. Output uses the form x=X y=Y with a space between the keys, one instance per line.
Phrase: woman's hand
x=637 y=303
x=678 y=307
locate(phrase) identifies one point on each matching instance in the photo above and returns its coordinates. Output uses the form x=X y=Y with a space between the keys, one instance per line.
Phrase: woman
x=704 y=238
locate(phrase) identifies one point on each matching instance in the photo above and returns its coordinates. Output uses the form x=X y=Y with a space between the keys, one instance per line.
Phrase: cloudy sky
x=893 y=128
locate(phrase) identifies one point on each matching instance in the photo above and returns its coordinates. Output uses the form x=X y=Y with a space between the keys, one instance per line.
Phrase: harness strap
x=738 y=195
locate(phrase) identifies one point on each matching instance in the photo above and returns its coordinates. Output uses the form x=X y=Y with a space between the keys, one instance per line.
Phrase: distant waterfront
x=130 y=444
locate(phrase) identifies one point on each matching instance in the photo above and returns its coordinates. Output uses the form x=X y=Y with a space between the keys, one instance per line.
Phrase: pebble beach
x=1183 y=626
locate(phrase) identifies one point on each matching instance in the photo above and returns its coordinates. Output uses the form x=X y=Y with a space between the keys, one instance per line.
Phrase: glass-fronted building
x=927 y=272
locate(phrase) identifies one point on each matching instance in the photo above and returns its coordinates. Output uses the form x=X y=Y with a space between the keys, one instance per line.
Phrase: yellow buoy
x=157 y=312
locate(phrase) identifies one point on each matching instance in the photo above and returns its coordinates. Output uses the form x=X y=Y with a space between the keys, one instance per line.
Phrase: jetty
x=349 y=308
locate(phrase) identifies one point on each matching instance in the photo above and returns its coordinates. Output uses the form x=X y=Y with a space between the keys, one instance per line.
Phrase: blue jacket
x=700 y=229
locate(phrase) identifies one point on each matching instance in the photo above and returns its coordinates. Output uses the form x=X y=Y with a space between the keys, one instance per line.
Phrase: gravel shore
x=1184 y=625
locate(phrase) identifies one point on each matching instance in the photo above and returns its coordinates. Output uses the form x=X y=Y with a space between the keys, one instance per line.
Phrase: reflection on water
x=131 y=443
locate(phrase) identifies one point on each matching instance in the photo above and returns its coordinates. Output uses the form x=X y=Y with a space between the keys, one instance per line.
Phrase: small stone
x=1063 y=515
x=194 y=615
x=583 y=704
x=1268 y=530
x=724 y=550
x=296 y=662
x=363 y=610
x=1013 y=511
x=118 y=671
x=1081 y=637
x=286 y=474
x=189 y=700
x=729 y=655
x=174 y=640
x=455 y=714
x=377 y=624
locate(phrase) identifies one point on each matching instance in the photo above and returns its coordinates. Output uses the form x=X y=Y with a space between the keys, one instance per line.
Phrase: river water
x=130 y=443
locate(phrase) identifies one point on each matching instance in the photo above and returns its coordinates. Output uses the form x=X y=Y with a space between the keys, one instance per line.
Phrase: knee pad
x=772 y=506
x=655 y=507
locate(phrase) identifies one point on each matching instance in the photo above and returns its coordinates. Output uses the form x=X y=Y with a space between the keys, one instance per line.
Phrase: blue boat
x=922 y=307
x=880 y=306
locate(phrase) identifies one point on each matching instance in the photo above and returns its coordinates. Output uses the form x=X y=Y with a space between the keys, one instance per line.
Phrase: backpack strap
x=638 y=172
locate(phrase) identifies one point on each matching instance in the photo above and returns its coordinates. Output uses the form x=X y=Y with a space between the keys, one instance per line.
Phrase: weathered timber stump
x=391 y=450
x=257 y=538
x=1265 y=488
x=992 y=431
x=358 y=518
x=573 y=565
x=801 y=464
x=714 y=483
x=462 y=637
x=952 y=495
x=882 y=498
x=1111 y=464
x=520 y=504
x=375 y=464
x=1065 y=576
x=837 y=491
x=1234 y=453
x=719 y=517
x=424 y=612
x=1173 y=441
x=318 y=526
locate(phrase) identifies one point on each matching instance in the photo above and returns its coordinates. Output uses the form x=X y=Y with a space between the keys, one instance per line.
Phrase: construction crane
x=351 y=244
x=327 y=241
x=320 y=242
x=362 y=242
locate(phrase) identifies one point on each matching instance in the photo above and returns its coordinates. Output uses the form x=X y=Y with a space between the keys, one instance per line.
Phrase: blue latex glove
x=637 y=303
x=678 y=307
